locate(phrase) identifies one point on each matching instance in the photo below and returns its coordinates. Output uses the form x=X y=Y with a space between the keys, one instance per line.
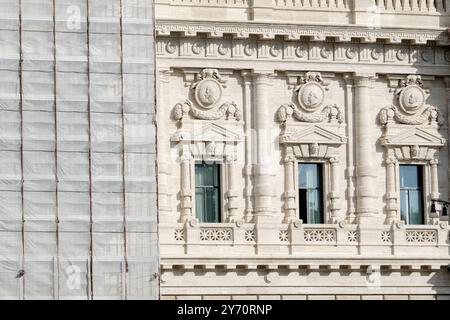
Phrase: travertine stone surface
x=359 y=86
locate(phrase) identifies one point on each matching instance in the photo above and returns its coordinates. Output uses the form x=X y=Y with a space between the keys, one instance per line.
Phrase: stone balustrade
x=297 y=240
x=370 y=13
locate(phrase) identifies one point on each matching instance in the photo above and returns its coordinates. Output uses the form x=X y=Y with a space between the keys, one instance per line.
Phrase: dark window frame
x=420 y=189
x=205 y=188
x=303 y=193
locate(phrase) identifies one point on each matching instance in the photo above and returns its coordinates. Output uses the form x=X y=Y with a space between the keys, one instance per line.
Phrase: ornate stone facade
x=357 y=87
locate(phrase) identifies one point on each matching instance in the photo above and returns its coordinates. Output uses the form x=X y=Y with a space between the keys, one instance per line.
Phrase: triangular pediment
x=312 y=134
x=209 y=132
x=415 y=136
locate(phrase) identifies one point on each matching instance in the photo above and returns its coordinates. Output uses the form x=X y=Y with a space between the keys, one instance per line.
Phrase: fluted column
x=365 y=150
x=264 y=159
x=290 y=207
x=392 y=194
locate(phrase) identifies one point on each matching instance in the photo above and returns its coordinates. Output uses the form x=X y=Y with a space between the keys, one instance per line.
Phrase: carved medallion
x=311 y=96
x=208 y=93
x=412 y=99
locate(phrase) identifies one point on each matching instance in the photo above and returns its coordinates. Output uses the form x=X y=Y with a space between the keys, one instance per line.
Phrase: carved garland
x=228 y=109
x=331 y=113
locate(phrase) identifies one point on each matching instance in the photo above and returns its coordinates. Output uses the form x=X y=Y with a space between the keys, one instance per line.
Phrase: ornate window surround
x=411 y=136
x=311 y=132
x=208 y=130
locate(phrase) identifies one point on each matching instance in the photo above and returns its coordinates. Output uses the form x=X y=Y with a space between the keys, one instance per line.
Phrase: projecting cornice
x=295 y=32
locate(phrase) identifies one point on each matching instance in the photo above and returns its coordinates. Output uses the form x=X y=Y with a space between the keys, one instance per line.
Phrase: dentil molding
x=295 y=32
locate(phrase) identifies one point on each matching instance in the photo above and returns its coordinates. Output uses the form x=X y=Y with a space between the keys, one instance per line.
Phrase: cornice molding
x=295 y=32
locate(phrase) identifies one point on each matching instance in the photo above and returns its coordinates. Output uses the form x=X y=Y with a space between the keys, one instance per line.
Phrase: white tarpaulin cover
x=77 y=150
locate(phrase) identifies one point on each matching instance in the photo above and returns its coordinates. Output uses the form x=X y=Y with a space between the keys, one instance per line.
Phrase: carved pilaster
x=434 y=179
x=232 y=195
x=248 y=170
x=290 y=195
x=393 y=214
x=349 y=112
x=186 y=188
x=335 y=208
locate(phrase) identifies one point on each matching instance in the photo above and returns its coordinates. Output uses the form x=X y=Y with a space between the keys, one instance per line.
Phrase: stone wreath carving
x=207 y=92
x=330 y=113
x=310 y=99
x=412 y=108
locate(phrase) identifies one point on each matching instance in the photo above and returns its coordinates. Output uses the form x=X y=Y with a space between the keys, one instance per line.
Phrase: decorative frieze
x=305 y=51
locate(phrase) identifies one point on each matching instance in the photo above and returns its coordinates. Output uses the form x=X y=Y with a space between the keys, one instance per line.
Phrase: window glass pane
x=199 y=175
x=212 y=204
x=216 y=173
x=314 y=206
x=404 y=206
x=309 y=175
x=303 y=208
x=409 y=176
x=415 y=207
x=199 y=207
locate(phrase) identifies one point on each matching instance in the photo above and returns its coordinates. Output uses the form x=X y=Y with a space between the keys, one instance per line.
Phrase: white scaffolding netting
x=77 y=150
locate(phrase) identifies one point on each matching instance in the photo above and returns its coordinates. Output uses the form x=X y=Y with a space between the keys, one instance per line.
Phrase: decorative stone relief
x=179 y=235
x=284 y=236
x=320 y=236
x=310 y=97
x=411 y=105
x=421 y=236
x=216 y=234
x=208 y=93
x=303 y=51
x=352 y=236
x=249 y=235
x=331 y=113
x=386 y=237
